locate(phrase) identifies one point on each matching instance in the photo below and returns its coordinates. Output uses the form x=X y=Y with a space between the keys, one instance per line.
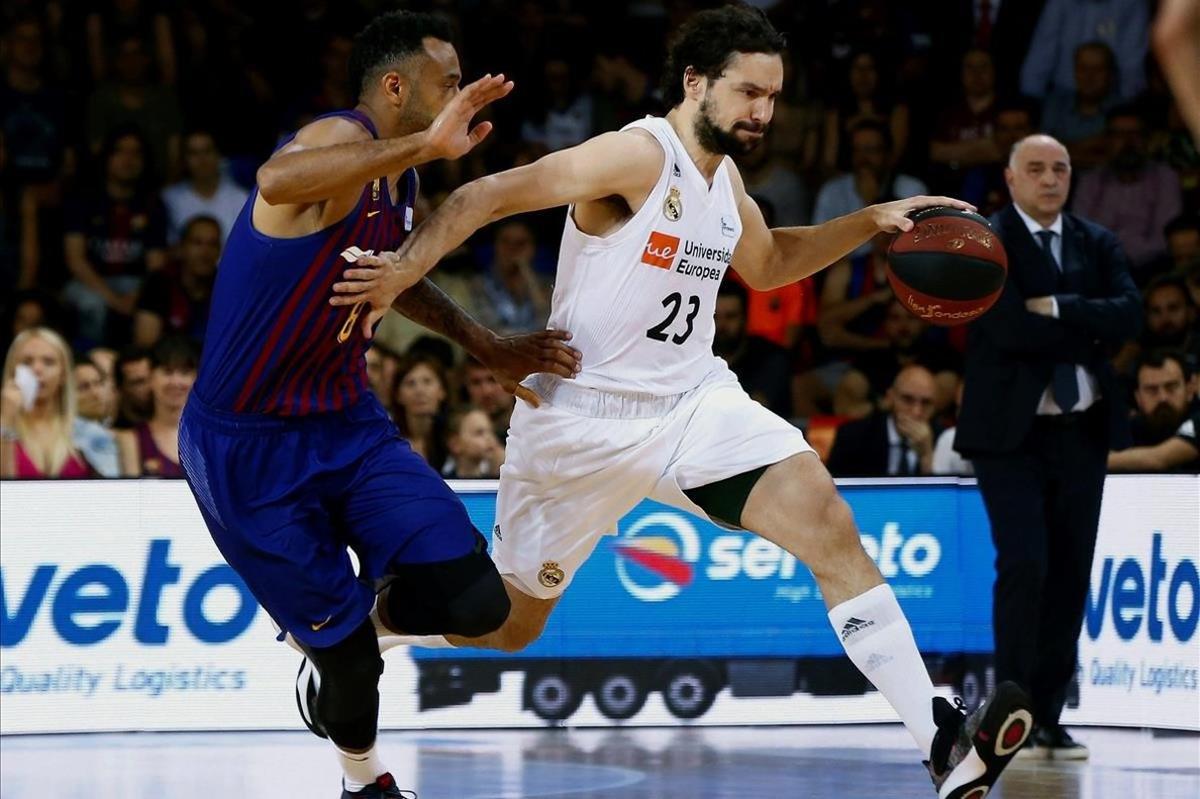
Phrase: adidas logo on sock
x=876 y=661
x=853 y=625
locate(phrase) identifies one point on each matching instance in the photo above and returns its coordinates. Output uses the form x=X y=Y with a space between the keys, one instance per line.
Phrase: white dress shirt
x=1089 y=389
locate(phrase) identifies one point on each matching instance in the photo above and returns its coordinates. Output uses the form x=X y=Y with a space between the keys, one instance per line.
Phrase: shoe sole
x=1006 y=725
x=306 y=685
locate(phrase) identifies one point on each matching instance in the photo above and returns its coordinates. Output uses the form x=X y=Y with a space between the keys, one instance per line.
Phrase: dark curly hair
x=391 y=38
x=708 y=41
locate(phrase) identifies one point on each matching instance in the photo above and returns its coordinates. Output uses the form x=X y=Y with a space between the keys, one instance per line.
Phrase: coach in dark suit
x=1041 y=408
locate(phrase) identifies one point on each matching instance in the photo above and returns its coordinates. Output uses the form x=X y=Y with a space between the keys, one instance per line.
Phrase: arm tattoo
x=430 y=307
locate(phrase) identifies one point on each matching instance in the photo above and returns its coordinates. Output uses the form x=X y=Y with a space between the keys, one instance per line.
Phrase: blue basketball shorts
x=287 y=499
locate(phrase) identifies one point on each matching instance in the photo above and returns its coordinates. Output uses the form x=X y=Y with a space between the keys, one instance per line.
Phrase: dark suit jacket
x=1011 y=353
x=860 y=448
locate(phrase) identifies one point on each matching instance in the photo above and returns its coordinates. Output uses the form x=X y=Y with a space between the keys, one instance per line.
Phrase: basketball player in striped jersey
x=656 y=213
x=290 y=458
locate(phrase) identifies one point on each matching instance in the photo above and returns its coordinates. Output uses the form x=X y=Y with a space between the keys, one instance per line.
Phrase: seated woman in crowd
x=420 y=407
x=40 y=434
x=151 y=448
x=475 y=450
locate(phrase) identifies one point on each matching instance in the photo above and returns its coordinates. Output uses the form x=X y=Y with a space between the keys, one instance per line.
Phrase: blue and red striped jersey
x=275 y=345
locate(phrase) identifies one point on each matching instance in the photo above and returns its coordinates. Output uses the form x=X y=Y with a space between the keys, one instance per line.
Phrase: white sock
x=360 y=769
x=879 y=641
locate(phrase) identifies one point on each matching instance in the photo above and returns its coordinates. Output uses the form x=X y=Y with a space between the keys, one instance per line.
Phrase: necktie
x=1063 y=385
x=902 y=468
x=983 y=28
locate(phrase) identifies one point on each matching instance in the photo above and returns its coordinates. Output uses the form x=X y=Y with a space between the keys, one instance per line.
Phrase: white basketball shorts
x=585 y=458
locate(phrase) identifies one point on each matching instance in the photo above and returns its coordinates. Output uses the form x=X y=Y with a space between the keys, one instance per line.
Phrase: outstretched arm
x=771 y=257
x=332 y=159
x=511 y=358
x=624 y=164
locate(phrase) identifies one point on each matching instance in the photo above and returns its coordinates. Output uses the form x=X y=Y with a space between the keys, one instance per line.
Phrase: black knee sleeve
x=464 y=596
x=348 y=702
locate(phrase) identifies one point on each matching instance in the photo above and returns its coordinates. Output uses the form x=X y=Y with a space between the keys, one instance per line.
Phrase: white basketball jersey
x=640 y=301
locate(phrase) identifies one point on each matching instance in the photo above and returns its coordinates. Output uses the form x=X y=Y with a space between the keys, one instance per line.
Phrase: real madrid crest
x=673 y=205
x=551 y=575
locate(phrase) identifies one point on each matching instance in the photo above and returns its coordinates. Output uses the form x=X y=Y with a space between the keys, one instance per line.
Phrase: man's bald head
x=1039 y=176
x=913 y=393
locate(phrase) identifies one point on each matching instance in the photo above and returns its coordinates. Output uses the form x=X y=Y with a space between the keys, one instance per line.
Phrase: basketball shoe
x=970 y=751
x=384 y=788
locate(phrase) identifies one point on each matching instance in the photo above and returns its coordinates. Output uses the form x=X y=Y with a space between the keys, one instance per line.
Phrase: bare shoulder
x=632 y=149
x=328 y=131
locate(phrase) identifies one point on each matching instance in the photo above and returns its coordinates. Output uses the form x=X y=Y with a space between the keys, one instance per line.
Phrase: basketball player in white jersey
x=657 y=212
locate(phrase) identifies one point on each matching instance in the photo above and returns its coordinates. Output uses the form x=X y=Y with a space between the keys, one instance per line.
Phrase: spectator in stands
x=332 y=90
x=946 y=459
x=864 y=100
x=115 y=235
x=113 y=20
x=130 y=99
x=1015 y=119
x=854 y=299
x=902 y=339
x=151 y=449
x=761 y=366
x=40 y=433
x=562 y=117
x=95 y=398
x=106 y=359
x=176 y=300
x=1002 y=27
x=33 y=111
x=772 y=179
x=420 y=407
x=486 y=393
x=621 y=92
x=1122 y=25
x=1183 y=242
x=381 y=373
x=135 y=397
x=1191 y=279
x=870 y=180
x=963 y=140
x=1130 y=195
x=1077 y=118
x=205 y=192
x=511 y=296
x=1165 y=395
x=474 y=450
x=895 y=441
x=1170 y=316
x=28 y=309
x=1165 y=429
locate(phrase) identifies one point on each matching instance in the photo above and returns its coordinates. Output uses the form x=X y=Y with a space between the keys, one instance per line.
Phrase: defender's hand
x=375 y=280
x=451 y=135
x=893 y=217
x=513 y=358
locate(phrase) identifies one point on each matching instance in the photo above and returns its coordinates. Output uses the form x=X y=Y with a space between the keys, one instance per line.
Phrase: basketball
x=950 y=268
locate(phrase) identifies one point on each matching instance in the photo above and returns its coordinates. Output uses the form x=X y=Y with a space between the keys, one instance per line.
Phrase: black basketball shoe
x=969 y=752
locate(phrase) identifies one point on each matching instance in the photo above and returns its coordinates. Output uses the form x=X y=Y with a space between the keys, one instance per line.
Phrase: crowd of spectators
x=130 y=132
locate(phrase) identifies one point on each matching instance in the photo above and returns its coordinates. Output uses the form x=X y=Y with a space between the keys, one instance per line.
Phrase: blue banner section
x=670 y=584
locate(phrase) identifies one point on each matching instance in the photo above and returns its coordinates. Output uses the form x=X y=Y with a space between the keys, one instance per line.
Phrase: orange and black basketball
x=950 y=268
